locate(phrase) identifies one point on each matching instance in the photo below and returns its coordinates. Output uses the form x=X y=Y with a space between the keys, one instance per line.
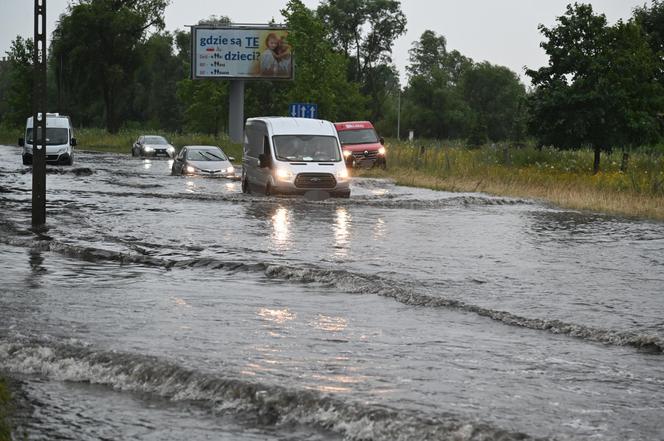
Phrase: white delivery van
x=293 y=156
x=60 y=140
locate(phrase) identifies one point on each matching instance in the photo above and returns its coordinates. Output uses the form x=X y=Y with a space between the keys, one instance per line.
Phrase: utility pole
x=399 y=115
x=39 y=117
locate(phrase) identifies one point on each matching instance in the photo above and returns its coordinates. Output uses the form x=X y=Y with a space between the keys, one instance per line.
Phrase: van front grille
x=315 y=180
x=365 y=154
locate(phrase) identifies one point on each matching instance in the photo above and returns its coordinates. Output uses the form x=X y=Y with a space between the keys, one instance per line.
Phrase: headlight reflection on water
x=342 y=232
x=147 y=164
x=281 y=228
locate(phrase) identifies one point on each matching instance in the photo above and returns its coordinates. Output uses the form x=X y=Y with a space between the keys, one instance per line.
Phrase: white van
x=293 y=156
x=60 y=140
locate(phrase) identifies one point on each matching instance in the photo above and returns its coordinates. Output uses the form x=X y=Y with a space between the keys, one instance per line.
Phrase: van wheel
x=70 y=160
x=245 y=185
x=27 y=160
x=268 y=189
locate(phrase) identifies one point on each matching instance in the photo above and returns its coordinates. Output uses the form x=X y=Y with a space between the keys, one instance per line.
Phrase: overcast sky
x=502 y=32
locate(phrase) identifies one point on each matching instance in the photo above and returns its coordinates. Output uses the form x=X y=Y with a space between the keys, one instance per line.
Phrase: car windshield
x=359 y=136
x=158 y=140
x=205 y=155
x=54 y=136
x=306 y=148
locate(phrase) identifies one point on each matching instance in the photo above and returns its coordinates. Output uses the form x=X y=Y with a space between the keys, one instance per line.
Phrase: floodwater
x=161 y=307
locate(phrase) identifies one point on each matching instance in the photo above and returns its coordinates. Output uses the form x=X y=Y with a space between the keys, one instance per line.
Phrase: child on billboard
x=275 y=60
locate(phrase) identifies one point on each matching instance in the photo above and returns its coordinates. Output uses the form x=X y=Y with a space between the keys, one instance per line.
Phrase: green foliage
x=449 y=96
x=206 y=104
x=154 y=97
x=364 y=31
x=599 y=87
x=98 y=43
x=18 y=80
x=493 y=94
x=321 y=72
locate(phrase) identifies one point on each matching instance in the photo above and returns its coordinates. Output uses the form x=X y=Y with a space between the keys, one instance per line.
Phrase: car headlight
x=170 y=148
x=191 y=169
x=347 y=153
x=284 y=174
x=381 y=150
x=148 y=149
x=342 y=174
x=230 y=169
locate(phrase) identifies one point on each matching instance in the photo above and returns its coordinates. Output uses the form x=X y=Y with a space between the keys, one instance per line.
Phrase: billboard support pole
x=39 y=117
x=236 y=111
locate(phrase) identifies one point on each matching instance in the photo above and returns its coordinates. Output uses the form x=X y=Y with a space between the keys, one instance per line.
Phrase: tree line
x=112 y=64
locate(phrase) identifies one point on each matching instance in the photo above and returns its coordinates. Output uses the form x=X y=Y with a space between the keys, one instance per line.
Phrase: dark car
x=152 y=146
x=203 y=160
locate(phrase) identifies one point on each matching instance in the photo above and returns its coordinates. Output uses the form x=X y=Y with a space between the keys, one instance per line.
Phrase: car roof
x=202 y=147
x=285 y=125
x=353 y=125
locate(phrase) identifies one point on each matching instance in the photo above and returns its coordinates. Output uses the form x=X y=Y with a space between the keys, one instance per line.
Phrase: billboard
x=241 y=53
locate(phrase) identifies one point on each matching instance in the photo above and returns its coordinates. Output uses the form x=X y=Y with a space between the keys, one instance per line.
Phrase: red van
x=360 y=144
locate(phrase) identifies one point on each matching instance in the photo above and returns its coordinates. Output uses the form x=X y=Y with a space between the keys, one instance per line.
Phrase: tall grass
x=121 y=142
x=562 y=177
x=5 y=398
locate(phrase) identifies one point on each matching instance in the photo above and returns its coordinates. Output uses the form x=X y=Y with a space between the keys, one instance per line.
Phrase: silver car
x=152 y=146
x=203 y=160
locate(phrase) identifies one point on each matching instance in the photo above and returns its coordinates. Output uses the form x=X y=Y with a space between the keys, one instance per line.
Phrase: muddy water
x=160 y=307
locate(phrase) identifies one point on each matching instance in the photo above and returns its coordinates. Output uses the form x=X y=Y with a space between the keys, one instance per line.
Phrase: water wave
x=345 y=281
x=221 y=393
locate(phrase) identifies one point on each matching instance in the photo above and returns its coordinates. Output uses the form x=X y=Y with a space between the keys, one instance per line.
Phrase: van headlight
x=230 y=170
x=191 y=169
x=347 y=153
x=381 y=150
x=342 y=174
x=284 y=174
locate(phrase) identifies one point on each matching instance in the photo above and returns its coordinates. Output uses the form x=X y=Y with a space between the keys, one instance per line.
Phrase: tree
x=427 y=55
x=493 y=94
x=321 y=72
x=364 y=31
x=19 y=79
x=596 y=88
x=155 y=84
x=98 y=41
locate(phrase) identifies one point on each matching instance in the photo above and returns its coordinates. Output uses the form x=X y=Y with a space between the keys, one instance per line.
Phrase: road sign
x=303 y=110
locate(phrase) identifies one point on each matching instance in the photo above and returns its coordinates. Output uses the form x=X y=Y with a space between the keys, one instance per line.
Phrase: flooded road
x=161 y=307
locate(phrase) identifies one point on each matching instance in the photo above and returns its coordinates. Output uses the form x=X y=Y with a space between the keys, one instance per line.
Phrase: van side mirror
x=381 y=140
x=21 y=142
x=73 y=142
x=263 y=160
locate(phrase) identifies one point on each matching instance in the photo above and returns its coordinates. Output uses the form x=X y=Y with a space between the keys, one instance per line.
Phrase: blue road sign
x=303 y=110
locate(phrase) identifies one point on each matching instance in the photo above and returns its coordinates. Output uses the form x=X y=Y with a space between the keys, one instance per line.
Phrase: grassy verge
x=563 y=178
x=121 y=142
x=100 y=140
x=5 y=397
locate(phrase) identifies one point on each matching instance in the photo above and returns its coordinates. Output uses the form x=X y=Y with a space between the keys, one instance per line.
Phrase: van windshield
x=359 y=136
x=54 y=136
x=306 y=148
